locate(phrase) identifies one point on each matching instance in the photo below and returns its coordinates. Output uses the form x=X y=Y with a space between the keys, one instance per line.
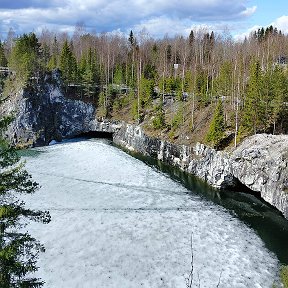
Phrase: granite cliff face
x=260 y=162
x=206 y=163
x=42 y=113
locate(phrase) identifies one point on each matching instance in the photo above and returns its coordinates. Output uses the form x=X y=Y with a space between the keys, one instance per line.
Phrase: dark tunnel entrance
x=96 y=134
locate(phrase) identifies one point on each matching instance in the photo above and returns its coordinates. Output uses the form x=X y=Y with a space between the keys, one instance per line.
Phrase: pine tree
x=147 y=88
x=223 y=82
x=18 y=250
x=217 y=126
x=253 y=106
x=279 y=89
x=68 y=64
x=88 y=82
x=25 y=58
x=158 y=121
x=3 y=59
x=53 y=61
x=131 y=39
x=191 y=38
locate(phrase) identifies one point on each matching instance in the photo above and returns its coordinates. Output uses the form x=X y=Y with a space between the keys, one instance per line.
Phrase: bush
x=217 y=126
x=158 y=121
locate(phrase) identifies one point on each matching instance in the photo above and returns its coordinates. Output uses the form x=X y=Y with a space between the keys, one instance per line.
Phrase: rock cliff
x=204 y=162
x=42 y=113
x=260 y=162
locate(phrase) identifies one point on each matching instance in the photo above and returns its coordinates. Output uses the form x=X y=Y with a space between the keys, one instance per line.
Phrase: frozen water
x=117 y=222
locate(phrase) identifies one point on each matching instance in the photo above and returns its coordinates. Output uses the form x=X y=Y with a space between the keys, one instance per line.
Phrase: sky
x=157 y=17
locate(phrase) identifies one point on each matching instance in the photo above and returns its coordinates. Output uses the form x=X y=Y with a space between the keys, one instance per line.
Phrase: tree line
x=249 y=78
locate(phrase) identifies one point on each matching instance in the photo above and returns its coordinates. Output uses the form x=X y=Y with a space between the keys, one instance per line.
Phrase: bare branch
x=189 y=279
x=219 y=280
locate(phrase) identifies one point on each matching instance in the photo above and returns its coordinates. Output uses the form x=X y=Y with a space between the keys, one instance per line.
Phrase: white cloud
x=281 y=23
x=160 y=26
x=102 y=15
x=242 y=36
x=249 y=11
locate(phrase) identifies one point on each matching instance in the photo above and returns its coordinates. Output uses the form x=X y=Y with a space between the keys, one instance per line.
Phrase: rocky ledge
x=260 y=162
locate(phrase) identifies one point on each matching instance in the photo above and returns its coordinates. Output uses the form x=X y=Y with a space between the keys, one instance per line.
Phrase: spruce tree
x=3 y=59
x=217 y=126
x=253 y=106
x=53 y=61
x=279 y=89
x=223 y=82
x=68 y=64
x=25 y=58
x=88 y=81
x=18 y=250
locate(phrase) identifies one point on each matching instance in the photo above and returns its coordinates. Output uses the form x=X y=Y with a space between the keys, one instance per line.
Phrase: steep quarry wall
x=42 y=113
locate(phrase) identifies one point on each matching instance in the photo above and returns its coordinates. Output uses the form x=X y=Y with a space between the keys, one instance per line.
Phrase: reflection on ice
x=119 y=223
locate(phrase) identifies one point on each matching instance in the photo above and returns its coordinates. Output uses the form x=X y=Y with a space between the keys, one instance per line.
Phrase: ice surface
x=117 y=222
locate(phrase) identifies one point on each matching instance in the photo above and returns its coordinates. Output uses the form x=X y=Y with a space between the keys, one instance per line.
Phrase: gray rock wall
x=206 y=163
x=260 y=162
x=42 y=113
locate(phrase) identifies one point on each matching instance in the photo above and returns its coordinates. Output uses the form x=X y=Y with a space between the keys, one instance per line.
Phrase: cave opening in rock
x=96 y=134
x=240 y=187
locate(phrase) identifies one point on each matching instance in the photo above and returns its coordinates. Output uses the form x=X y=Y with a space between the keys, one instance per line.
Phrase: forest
x=206 y=87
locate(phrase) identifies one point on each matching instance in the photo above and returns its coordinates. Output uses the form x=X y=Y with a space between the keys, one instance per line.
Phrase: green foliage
x=265 y=96
x=253 y=108
x=3 y=59
x=279 y=87
x=52 y=63
x=147 y=88
x=171 y=85
x=177 y=120
x=284 y=276
x=45 y=55
x=223 y=82
x=54 y=57
x=134 y=109
x=117 y=105
x=102 y=107
x=118 y=75
x=18 y=251
x=68 y=64
x=25 y=57
x=158 y=121
x=201 y=87
x=150 y=71
x=88 y=74
x=131 y=39
x=88 y=82
x=217 y=126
